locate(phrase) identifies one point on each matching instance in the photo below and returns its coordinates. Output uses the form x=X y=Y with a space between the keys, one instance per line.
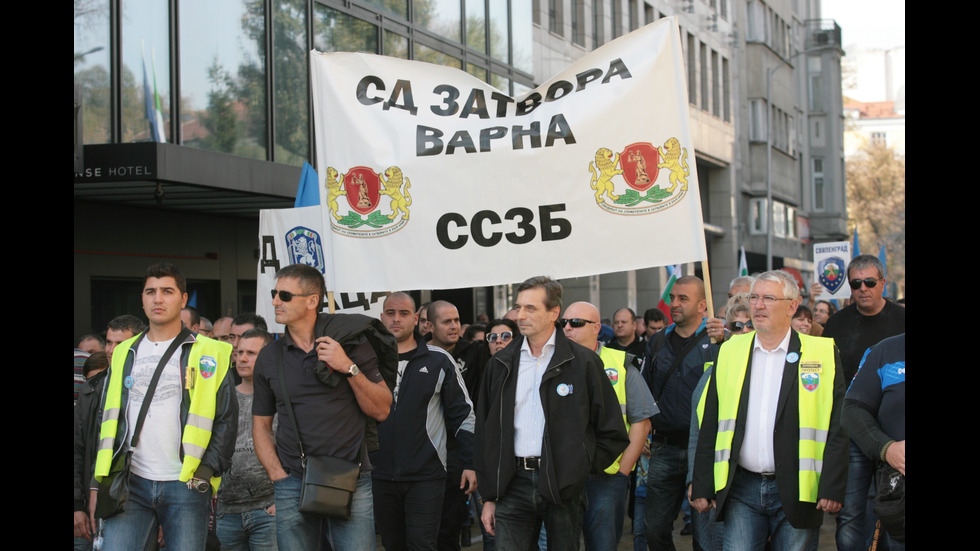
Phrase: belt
x=528 y=463
x=767 y=476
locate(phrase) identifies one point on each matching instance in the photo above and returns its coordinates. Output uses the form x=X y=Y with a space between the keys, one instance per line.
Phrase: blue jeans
x=522 y=509
x=709 y=534
x=296 y=531
x=856 y=520
x=410 y=513
x=639 y=522
x=605 y=511
x=754 y=514
x=249 y=530
x=665 y=488
x=182 y=512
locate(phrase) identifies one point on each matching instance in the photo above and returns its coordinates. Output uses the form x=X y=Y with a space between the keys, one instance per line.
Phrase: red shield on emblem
x=362 y=185
x=639 y=164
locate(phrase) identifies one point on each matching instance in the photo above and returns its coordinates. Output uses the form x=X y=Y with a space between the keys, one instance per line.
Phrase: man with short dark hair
x=206 y=327
x=867 y=321
x=607 y=491
x=221 y=329
x=91 y=343
x=190 y=318
x=246 y=509
x=430 y=406
x=332 y=414
x=772 y=455
x=624 y=329
x=120 y=329
x=188 y=434
x=656 y=321
x=546 y=417
x=676 y=358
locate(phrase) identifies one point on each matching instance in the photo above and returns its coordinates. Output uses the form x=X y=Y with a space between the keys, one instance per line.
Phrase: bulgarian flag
x=743 y=266
x=664 y=304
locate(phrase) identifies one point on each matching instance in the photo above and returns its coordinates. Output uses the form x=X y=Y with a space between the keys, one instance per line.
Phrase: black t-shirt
x=330 y=421
x=853 y=332
x=636 y=348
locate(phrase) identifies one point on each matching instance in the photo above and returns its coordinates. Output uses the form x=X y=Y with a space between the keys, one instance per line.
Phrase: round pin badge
x=792 y=357
x=128 y=381
x=563 y=389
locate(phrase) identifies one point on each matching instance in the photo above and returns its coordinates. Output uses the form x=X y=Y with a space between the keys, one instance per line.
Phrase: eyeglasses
x=768 y=300
x=738 y=326
x=503 y=337
x=575 y=322
x=870 y=282
x=286 y=296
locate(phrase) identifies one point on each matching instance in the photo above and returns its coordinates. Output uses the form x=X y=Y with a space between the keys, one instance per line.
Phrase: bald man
x=607 y=492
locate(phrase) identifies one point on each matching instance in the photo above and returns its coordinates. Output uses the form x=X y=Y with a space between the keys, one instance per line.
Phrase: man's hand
x=271 y=509
x=815 y=290
x=83 y=527
x=829 y=505
x=488 y=517
x=895 y=456
x=702 y=505
x=469 y=477
x=331 y=353
x=716 y=329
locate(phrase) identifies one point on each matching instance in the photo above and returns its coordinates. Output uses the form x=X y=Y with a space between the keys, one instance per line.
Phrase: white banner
x=831 y=260
x=291 y=236
x=431 y=178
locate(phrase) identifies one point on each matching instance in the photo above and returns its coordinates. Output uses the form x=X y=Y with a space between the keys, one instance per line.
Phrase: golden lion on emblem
x=602 y=182
x=392 y=188
x=675 y=160
x=334 y=190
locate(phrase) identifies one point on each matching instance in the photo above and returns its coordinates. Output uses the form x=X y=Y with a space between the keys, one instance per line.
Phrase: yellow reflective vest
x=815 y=377
x=206 y=366
x=612 y=361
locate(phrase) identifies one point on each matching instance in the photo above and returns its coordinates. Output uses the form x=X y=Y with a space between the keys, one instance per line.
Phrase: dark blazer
x=833 y=479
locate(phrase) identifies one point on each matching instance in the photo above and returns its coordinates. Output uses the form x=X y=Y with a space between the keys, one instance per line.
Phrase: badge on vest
x=810 y=375
x=613 y=376
x=128 y=381
x=564 y=390
x=208 y=366
x=792 y=357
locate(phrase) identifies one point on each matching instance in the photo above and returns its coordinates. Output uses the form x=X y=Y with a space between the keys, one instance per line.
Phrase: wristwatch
x=198 y=485
x=353 y=370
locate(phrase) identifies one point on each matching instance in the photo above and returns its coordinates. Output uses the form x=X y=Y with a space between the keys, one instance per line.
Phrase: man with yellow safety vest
x=186 y=432
x=607 y=491
x=772 y=456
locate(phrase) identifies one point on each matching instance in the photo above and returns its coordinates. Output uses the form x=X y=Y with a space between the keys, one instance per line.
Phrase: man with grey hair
x=866 y=322
x=546 y=417
x=772 y=456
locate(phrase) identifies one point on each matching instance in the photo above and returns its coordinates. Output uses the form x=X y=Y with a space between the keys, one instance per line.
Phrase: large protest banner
x=291 y=236
x=431 y=178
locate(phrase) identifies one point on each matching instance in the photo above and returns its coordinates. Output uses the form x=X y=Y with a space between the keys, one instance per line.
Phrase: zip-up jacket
x=673 y=391
x=583 y=430
x=431 y=407
x=216 y=457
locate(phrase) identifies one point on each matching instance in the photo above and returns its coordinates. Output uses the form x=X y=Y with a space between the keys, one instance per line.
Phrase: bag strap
x=145 y=408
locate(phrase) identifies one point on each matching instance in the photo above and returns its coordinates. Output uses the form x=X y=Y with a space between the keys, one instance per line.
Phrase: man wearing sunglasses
x=607 y=491
x=332 y=415
x=868 y=320
x=546 y=418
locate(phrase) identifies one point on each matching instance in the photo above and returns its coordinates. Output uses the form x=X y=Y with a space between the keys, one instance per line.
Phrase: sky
x=868 y=23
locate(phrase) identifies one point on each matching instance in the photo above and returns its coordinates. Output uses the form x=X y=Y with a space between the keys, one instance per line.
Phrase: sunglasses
x=575 y=322
x=503 y=337
x=737 y=326
x=286 y=296
x=870 y=282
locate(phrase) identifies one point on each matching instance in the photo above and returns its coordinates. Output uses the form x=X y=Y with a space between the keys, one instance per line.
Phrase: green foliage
x=631 y=197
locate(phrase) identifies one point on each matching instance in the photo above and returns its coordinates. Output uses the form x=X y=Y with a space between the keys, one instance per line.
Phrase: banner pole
x=331 y=307
x=707 y=290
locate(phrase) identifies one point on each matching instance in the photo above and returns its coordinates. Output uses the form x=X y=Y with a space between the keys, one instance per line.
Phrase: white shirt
x=528 y=411
x=157 y=456
x=757 y=454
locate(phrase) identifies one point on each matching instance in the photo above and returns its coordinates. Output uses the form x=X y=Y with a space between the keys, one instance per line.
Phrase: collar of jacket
x=511 y=356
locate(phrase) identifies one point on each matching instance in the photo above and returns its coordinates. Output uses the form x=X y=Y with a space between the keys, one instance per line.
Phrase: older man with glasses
x=867 y=321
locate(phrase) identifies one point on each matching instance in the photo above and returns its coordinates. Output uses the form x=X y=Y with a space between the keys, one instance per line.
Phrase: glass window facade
x=240 y=82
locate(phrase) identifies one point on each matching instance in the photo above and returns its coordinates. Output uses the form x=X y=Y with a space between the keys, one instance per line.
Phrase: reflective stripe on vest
x=210 y=360
x=613 y=361
x=815 y=379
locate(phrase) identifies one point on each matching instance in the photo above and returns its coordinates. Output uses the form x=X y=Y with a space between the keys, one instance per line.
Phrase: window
x=555 y=17
x=756 y=31
x=757 y=216
x=757 y=120
x=726 y=89
x=578 y=22
x=715 y=86
x=704 y=76
x=634 y=15
x=815 y=83
x=617 y=18
x=598 y=36
x=879 y=138
x=819 y=201
x=648 y=15
x=692 y=90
